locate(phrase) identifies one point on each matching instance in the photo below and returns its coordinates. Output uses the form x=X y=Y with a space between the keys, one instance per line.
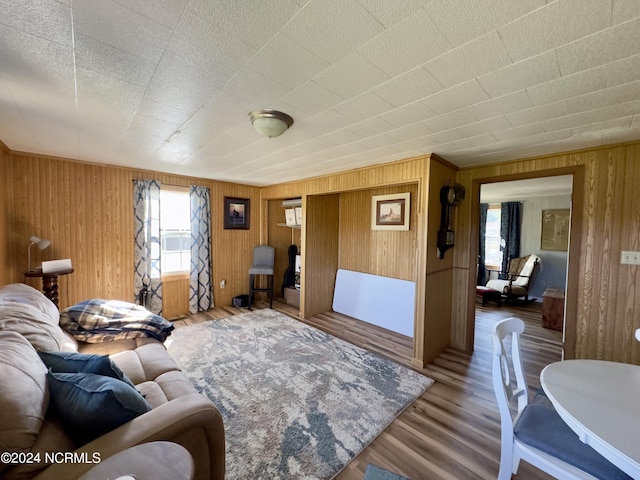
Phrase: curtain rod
x=164 y=183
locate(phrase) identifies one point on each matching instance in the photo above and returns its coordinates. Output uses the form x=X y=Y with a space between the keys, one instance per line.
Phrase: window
x=492 y=246
x=175 y=229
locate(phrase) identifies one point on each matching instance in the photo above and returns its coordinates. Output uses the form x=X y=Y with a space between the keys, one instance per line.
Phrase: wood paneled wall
x=86 y=210
x=4 y=232
x=438 y=296
x=320 y=240
x=603 y=296
x=361 y=249
x=280 y=237
x=378 y=252
x=175 y=296
x=396 y=173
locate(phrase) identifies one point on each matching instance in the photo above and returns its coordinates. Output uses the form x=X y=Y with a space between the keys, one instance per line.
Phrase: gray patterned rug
x=296 y=402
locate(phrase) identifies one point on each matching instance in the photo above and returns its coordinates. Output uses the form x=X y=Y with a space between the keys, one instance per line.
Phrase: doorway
x=560 y=270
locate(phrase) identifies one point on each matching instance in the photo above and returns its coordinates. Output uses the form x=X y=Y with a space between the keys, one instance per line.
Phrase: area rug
x=374 y=472
x=296 y=402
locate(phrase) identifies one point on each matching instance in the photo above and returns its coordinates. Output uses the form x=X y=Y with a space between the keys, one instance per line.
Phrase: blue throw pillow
x=91 y=405
x=73 y=362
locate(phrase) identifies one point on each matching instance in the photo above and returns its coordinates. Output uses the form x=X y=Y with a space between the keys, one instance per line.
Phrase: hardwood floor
x=453 y=430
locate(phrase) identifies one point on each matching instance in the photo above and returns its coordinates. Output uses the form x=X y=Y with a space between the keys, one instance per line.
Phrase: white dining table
x=600 y=401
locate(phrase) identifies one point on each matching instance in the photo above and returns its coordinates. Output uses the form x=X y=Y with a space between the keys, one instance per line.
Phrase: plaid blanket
x=99 y=320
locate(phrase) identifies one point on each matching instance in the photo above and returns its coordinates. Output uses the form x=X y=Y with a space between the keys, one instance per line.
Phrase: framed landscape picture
x=236 y=213
x=390 y=212
x=555 y=229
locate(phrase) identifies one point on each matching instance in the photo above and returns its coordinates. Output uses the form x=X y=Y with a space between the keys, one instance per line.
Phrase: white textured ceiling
x=515 y=190
x=167 y=84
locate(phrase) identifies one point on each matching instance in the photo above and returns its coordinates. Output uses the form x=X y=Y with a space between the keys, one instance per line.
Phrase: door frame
x=573 y=260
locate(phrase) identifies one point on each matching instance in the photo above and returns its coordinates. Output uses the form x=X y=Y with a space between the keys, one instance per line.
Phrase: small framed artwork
x=298 y=215
x=236 y=213
x=390 y=212
x=290 y=217
x=555 y=229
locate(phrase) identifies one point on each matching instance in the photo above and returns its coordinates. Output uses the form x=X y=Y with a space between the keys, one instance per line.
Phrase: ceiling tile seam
x=75 y=71
x=590 y=94
x=435 y=24
x=355 y=52
x=597 y=33
x=372 y=16
x=126 y=6
x=385 y=30
x=157 y=65
x=547 y=125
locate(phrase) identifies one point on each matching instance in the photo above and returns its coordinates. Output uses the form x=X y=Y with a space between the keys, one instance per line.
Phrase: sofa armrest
x=191 y=421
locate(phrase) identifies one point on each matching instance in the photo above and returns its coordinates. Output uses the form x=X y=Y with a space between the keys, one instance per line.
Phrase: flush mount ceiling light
x=270 y=123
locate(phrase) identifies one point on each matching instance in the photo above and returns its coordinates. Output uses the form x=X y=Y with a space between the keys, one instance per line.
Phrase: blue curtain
x=146 y=217
x=482 y=270
x=200 y=286
x=509 y=232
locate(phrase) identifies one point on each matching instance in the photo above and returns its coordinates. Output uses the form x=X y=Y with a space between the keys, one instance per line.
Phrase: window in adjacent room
x=492 y=248
x=175 y=229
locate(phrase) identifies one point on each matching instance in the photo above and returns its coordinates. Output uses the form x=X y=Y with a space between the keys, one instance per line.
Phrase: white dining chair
x=536 y=434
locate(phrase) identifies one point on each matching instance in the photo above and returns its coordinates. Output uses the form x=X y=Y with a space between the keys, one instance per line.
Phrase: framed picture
x=236 y=213
x=555 y=229
x=290 y=217
x=390 y=212
x=298 y=215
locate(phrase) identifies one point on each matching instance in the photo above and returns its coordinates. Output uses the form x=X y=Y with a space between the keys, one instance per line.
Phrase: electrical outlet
x=630 y=258
x=223 y=283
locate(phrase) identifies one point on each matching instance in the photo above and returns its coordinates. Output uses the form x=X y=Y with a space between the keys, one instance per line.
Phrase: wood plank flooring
x=453 y=430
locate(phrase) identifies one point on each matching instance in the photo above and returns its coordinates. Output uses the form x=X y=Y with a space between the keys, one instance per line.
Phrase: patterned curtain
x=509 y=232
x=200 y=287
x=146 y=217
x=482 y=269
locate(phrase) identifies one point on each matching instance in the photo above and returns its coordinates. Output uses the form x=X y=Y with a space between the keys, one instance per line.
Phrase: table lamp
x=41 y=243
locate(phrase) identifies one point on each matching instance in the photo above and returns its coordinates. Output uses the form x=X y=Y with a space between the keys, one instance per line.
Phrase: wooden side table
x=553 y=308
x=49 y=281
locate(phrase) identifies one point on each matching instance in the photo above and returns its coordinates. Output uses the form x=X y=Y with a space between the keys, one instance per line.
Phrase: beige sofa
x=29 y=427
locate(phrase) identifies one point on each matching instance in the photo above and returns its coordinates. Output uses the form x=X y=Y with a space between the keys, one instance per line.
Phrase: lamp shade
x=41 y=243
x=270 y=123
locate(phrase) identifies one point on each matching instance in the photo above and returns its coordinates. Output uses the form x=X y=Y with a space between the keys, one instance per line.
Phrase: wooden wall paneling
x=466 y=263
x=609 y=279
x=621 y=280
x=4 y=192
x=630 y=275
x=65 y=200
x=602 y=304
x=394 y=173
x=439 y=270
x=233 y=249
x=356 y=236
x=395 y=251
x=280 y=238
x=320 y=241
x=175 y=296
x=87 y=212
x=378 y=252
x=414 y=171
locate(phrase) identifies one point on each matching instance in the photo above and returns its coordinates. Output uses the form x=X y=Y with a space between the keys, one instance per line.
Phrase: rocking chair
x=519 y=278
